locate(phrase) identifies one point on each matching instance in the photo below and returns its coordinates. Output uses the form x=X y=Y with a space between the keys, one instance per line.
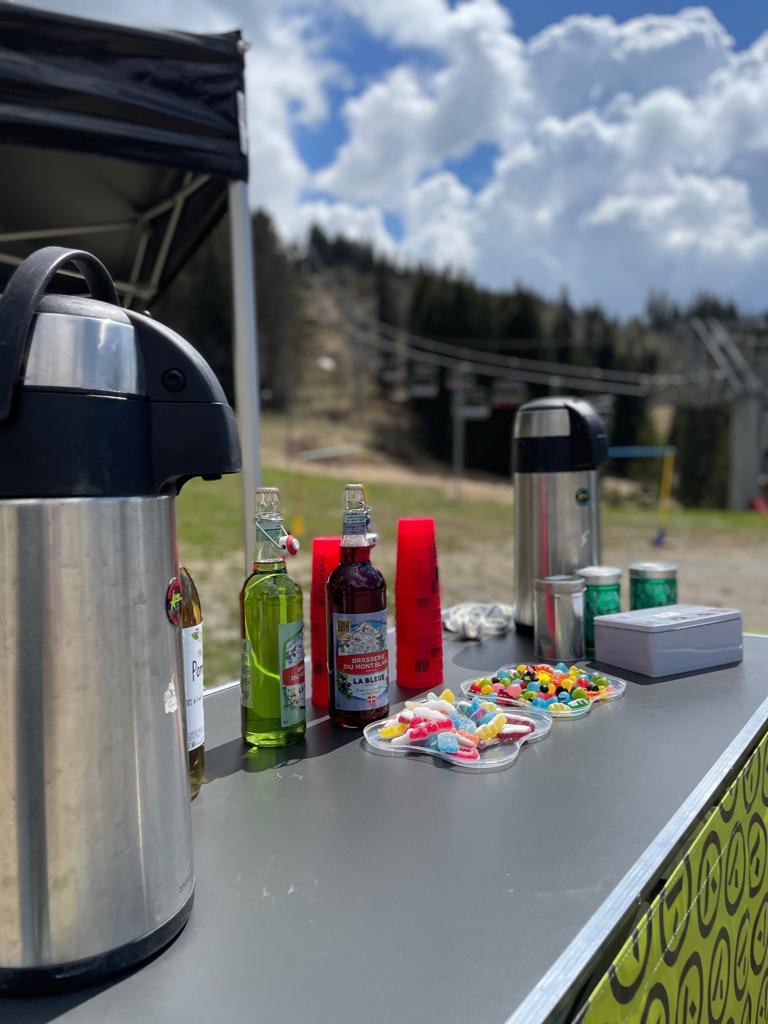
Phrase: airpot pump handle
x=18 y=305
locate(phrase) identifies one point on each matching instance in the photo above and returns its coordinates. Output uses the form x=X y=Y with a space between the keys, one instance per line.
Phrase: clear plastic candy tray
x=492 y=759
x=503 y=700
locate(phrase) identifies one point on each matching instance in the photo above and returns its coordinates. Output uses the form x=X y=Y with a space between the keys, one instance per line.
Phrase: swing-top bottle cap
x=357 y=518
x=267 y=503
x=354 y=496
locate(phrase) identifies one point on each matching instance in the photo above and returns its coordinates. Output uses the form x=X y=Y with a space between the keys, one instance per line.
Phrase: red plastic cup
x=416 y=635
x=419 y=641
x=416 y=627
x=417 y=581
x=429 y=604
x=411 y=613
x=419 y=661
x=416 y=570
x=325 y=558
x=410 y=637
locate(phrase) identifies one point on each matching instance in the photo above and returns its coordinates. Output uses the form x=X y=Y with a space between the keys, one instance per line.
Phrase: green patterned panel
x=699 y=954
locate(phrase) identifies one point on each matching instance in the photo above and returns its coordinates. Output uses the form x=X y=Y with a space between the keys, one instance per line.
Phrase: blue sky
x=744 y=19
x=608 y=147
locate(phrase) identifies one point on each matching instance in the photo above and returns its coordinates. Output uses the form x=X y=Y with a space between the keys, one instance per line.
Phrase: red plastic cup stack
x=418 y=621
x=325 y=558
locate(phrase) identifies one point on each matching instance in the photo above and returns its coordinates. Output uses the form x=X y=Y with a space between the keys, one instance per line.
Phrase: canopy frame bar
x=246 y=350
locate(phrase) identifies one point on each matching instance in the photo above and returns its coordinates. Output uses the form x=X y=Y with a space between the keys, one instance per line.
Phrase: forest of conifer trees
x=450 y=308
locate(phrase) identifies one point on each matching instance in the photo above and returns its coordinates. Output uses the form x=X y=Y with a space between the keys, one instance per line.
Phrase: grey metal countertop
x=334 y=885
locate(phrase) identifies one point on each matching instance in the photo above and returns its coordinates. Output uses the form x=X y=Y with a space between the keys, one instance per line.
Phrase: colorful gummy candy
x=461 y=729
x=554 y=688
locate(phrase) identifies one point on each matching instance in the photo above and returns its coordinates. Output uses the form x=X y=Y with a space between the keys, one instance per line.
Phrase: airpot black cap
x=97 y=401
x=558 y=435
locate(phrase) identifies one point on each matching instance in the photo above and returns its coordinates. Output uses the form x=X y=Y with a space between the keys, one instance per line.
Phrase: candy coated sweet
x=560 y=689
x=419 y=732
x=467 y=754
x=423 y=724
x=447 y=743
x=466 y=739
x=516 y=727
x=396 y=729
x=431 y=714
x=436 y=704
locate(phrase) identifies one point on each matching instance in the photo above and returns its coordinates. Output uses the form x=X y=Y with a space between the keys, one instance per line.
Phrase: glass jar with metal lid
x=558 y=618
x=652 y=584
x=602 y=597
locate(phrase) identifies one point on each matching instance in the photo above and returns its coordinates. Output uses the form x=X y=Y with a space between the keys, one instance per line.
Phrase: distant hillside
x=334 y=330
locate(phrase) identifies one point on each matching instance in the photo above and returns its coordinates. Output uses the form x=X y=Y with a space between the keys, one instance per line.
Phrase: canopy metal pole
x=247 y=390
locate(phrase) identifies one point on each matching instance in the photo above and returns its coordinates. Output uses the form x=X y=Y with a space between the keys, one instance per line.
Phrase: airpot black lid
x=557 y=435
x=97 y=401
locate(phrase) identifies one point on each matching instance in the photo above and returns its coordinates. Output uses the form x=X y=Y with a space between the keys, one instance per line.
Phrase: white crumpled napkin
x=472 y=621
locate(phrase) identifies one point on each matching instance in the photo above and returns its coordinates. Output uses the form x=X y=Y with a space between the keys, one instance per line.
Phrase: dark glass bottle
x=358 y=660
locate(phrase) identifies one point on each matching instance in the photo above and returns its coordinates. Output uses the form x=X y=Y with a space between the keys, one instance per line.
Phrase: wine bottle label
x=245 y=674
x=361 y=660
x=192 y=641
x=292 y=700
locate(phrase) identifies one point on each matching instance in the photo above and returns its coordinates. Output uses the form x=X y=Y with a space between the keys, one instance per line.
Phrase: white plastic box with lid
x=672 y=640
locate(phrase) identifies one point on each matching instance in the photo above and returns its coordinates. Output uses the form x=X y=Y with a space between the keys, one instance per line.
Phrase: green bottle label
x=245 y=674
x=292 y=701
x=361 y=660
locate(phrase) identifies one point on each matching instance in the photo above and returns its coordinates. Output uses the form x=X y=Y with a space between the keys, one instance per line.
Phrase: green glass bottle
x=272 y=626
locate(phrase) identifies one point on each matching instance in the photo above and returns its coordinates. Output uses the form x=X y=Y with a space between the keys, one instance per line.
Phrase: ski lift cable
x=594 y=374
x=524 y=370
x=466 y=367
x=701 y=390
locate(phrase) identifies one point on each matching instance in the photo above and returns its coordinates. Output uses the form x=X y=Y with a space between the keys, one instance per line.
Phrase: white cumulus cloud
x=624 y=156
x=630 y=156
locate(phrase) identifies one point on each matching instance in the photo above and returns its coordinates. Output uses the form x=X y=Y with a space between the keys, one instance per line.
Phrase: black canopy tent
x=131 y=144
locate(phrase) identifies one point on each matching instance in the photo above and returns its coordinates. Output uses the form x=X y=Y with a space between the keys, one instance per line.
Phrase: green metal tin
x=652 y=584
x=601 y=597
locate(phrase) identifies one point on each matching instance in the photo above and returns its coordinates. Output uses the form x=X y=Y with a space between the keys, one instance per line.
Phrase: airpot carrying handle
x=18 y=305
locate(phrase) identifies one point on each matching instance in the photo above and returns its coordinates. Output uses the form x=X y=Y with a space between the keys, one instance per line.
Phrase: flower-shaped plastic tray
x=614 y=691
x=492 y=759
